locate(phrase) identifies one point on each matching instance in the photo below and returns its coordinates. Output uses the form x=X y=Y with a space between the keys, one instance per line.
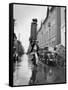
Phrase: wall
x=63 y=26
x=49 y=35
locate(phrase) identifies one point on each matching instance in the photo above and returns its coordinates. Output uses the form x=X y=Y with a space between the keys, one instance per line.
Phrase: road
x=44 y=74
x=23 y=72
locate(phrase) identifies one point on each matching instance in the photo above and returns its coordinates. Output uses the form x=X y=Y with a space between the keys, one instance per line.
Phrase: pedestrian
x=46 y=58
x=34 y=60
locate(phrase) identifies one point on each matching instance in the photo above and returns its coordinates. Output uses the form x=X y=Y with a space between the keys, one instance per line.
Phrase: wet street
x=22 y=72
x=43 y=73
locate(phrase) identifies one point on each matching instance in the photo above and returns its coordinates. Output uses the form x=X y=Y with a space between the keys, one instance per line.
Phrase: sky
x=23 y=14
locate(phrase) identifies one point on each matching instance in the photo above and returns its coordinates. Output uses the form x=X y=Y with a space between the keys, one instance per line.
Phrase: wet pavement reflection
x=22 y=72
x=28 y=74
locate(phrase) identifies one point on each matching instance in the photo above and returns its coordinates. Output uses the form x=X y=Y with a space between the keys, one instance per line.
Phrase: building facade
x=49 y=34
x=63 y=29
x=33 y=34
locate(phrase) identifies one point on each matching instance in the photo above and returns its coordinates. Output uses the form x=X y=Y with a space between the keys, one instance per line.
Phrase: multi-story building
x=49 y=33
x=63 y=26
x=33 y=34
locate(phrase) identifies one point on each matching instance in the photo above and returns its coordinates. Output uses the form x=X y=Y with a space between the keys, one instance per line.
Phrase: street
x=22 y=72
x=44 y=74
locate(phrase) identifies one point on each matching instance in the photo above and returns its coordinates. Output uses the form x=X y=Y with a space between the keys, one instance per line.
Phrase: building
x=63 y=26
x=49 y=34
x=33 y=35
